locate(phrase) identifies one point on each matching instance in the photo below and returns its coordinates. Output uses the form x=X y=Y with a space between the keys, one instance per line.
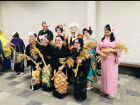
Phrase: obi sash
x=108 y=54
x=62 y=60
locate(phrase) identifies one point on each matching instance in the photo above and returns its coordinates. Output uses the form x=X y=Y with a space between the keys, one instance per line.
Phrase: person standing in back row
x=45 y=30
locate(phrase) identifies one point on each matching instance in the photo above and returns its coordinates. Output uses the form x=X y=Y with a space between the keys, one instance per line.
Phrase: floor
x=14 y=90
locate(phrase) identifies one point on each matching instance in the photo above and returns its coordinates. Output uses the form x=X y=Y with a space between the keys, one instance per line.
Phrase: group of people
x=66 y=46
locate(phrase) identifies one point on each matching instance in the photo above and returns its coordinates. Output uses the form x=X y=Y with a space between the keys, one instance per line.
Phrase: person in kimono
x=92 y=75
x=46 y=52
x=59 y=30
x=74 y=33
x=80 y=88
x=109 y=62
x=60 y=55
x=32 y=43
x=45 y=30
x=6 y=52
x=18 y=43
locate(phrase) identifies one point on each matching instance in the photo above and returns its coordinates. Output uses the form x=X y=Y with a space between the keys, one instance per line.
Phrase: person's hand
x=1 y=56
x=37 y=66
x=79 y=60
x=61 y=67
x=41 y=55
x=104 y=56
x=11 y=44
x=54 y=72
x=28 y=58
x=74 y=70
x=48 y=66
x=106 y=51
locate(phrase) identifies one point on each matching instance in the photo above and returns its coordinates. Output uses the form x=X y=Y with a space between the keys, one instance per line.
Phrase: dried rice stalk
x=52 y=43
x=69 y=62
x=22 y=56
x=28 y=40
x=38 y=42
x=35 y=51
x=85 y=53
x=91 y=45
x=121 y=46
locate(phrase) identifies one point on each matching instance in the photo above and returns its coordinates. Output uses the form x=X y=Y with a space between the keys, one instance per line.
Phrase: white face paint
x=73 y=29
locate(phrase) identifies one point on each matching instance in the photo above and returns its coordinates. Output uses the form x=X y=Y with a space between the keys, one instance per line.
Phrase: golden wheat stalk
x=38 y=42
x=35 y=51
x=119 y=46
x=85 y=53
x=22 y=56
x=28 y=40
x=69 y=62
x=52 y=43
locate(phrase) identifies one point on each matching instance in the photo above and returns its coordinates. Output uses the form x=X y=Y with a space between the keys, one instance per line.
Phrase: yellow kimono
x=4 y=41
x=6 y=51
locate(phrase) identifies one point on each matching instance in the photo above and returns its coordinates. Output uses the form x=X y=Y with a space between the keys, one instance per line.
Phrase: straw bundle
x=52 y=43
x=69 y=62
x=121 y=46
x=85 y=53
x=35 y=51
x=22 y=56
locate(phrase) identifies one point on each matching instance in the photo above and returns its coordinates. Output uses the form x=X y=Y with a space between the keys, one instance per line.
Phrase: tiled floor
x=15 y=90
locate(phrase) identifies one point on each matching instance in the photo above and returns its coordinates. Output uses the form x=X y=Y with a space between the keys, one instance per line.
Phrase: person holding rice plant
x=110 y=59
x=92 y=75
x=47 y=52
x=60 y=55
x=19 y=46
x=32 y=43
x=80 y=88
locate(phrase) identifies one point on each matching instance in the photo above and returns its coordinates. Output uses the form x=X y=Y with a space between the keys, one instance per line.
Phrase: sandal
x=102 y=94
x=109 y=96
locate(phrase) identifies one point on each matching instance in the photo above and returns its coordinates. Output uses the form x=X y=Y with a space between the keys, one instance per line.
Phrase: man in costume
x=74 y=33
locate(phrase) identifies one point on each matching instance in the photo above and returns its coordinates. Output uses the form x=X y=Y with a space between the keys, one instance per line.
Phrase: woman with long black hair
x=109 y=63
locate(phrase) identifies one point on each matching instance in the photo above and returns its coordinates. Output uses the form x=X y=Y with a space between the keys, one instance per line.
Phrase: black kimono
x=47 y=51
x=49 y=32
x=35 y=80
x=80 y=89
x=59 y=57
x=27 y=52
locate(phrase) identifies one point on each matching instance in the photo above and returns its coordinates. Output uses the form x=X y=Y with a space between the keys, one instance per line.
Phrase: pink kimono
x=109 y=67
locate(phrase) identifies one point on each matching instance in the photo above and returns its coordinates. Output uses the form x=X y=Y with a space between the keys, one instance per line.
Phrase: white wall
x=91 y=16
x=125 y=17
x=25 y=16
x=1 y=25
